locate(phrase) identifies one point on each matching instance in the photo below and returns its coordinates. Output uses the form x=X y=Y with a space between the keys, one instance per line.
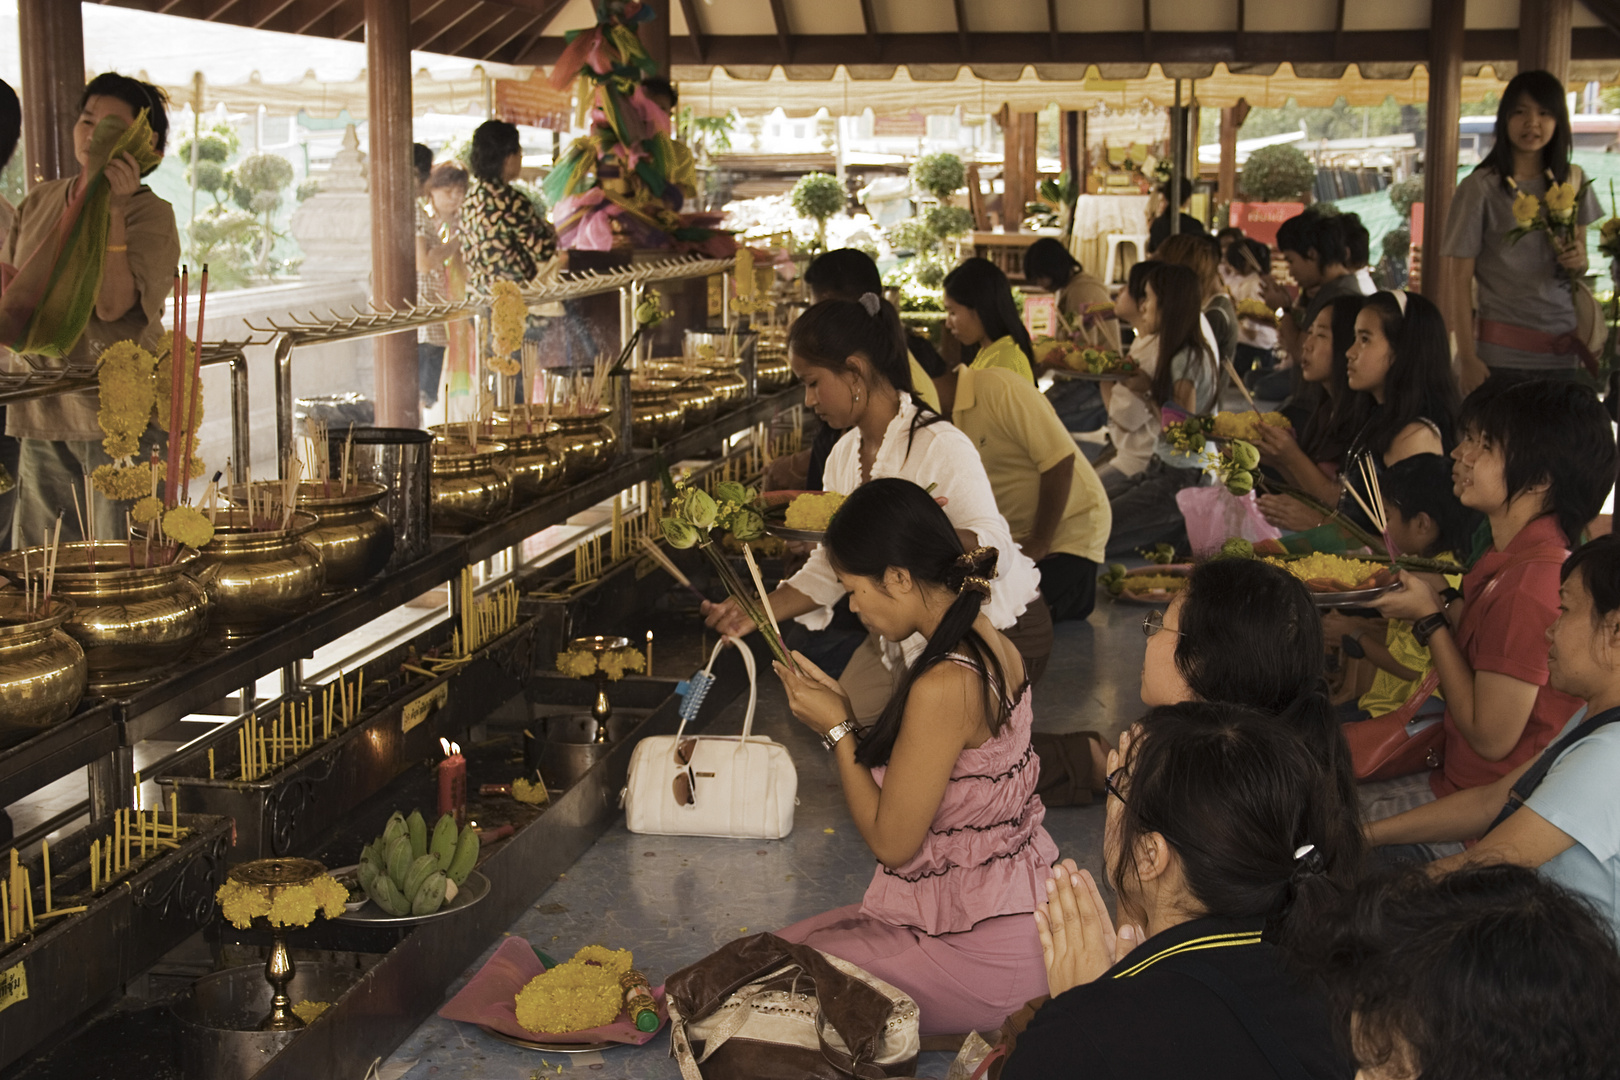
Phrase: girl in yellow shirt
x=981 y=314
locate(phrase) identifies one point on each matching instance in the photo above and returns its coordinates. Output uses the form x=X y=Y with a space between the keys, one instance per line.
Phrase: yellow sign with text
x=424 y=706
x=13 y=986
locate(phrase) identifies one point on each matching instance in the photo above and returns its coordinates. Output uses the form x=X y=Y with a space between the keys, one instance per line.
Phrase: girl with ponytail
x=942 y=785
x=1224 y=846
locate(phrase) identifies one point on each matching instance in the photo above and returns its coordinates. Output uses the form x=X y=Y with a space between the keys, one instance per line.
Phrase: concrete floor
x=673 y=900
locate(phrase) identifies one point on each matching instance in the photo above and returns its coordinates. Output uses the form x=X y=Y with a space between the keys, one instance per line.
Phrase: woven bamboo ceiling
x=935 y=39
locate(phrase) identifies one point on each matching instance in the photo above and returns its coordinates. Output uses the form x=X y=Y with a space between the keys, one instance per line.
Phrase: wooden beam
x=539 y=32
x=427 y=33
x=1544 y=33
x=1052 y=28
x=1446 y=35
x=869 y=24
x=1338 y=30
x=505 y=31
x=655 y=35
x=496 y=21
x=694 y=31
x=393 y=204
x=50 y=38
x=301 y=17
x=961 y=27
x=257 y=13
x=1226 y=185
x=784 y=35
x=349 y=21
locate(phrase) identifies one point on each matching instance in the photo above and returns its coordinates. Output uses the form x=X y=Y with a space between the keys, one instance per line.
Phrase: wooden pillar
x=393 y=205
x=1440 y=153
x=1231 y=121
x=1019 y=134
x=1072 y=143
x=1544 y=36
x=655 y=35
x=51 y=35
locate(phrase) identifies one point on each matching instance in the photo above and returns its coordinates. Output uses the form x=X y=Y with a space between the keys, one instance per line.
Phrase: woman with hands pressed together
x=942 y=785
x=1221 y=843
x=1537 y=460
x=857 y=378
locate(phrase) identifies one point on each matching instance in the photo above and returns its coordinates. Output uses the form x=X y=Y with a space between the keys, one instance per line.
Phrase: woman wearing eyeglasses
x=1242 y=632
x=1222 y=839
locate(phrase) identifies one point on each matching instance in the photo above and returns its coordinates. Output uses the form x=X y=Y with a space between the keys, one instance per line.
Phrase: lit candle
x=649 y=654
x=452 y=773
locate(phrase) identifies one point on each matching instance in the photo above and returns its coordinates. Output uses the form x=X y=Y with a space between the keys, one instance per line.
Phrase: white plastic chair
x=1116 y=241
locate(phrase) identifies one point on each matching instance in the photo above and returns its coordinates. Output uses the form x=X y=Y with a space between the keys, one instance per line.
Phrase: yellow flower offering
x=289 y=905
x=1246 y=425
x=147 y=509
x=1341 y=572
x=582 y=993
x=1561 y=198
x=1526 y=207
x=508 y=316
x=241 y=904
x=813 y=511
x=189 y=526
x=615 y=662
x=576 y=665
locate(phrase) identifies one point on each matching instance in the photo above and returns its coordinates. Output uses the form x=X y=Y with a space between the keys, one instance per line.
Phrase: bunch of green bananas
x=405 y=873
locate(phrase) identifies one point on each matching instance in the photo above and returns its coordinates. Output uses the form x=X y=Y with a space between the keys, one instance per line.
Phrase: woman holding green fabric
x=139 y=250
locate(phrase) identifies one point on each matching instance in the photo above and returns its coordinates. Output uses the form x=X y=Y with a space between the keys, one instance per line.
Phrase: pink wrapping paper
x=490 y=999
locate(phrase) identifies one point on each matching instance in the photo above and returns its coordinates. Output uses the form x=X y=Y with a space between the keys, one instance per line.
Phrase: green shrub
x=940 y=175
x=1405 y=193
x=1277 y=174
x=818 y=197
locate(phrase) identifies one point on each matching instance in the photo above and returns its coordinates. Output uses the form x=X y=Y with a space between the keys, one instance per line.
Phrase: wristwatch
x=830 y=739
x=1426 y=627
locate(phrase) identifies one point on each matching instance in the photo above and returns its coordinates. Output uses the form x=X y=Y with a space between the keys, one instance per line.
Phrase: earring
x=857 y=395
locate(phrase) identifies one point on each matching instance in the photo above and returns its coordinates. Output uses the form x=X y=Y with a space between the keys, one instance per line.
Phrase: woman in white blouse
x=853 y=364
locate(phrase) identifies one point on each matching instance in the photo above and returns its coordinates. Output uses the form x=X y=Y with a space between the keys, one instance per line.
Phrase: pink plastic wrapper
x=490 y=999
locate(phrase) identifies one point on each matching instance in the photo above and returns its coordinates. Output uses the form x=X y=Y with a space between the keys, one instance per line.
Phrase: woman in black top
x=1221 y=841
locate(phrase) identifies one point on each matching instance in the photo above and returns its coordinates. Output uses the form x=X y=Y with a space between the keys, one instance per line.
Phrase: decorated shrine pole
x=393 y=197
x=51 y=36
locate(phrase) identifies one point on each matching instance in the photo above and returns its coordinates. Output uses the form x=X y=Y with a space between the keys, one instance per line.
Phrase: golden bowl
x=772 y=373
x=43 y=673
x=262 y=578
x=471 y=488
x=701 y=403
x=134 y=622
x=536 y=467
x=354 y=537
x=657 y=418
x=584 y=443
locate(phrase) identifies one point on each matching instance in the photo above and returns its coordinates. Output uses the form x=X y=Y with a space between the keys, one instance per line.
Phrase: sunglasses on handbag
x=685 y=780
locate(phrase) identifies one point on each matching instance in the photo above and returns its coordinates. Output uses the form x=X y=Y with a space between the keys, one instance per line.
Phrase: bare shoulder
x=949 y=693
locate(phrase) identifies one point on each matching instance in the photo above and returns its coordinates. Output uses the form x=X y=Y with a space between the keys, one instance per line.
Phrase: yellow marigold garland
x=126 y=383
x=290 y=905
x=121 y=482
x=147 y=509
x=508 y=317
x=580 y=994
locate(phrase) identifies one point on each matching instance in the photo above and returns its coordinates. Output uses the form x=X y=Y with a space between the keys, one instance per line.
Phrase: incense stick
x=765 y=602
x=658 y=556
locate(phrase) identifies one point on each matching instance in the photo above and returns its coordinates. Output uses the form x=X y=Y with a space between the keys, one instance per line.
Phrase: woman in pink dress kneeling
x=942 y=786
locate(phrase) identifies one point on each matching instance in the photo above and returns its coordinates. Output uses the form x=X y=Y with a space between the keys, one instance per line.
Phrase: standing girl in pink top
x=942 y=785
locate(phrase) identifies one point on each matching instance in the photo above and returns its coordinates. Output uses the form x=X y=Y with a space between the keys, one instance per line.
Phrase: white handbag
x=712 y=785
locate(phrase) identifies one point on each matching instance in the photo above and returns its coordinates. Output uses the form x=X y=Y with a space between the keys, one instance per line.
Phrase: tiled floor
x=673 y=900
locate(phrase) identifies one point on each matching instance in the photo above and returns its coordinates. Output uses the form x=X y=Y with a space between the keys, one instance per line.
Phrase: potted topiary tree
x=938 y=176
x=1277 y=180
x=818 y=197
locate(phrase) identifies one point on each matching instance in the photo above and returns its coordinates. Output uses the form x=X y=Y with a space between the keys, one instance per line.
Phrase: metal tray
x=550 y=1048
x=1352 y=597
x=1091 y=376
x=474 y=890
x=803 y=536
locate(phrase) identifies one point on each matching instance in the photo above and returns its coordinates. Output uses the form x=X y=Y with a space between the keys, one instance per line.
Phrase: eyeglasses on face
x=1153 y=622
x=1111 y=783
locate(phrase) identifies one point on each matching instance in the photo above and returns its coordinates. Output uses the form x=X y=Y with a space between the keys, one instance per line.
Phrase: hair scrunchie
x=1308 y=862
x=973 y=570
x=872 y=303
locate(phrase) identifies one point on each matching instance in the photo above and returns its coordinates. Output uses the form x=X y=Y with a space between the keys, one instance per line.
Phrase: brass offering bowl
x=471 y=487
x=536 y=467
x=261 y=578
x=43 y=673
x=700 y=403
x=354 y=537
x=584 y=442
x=657 y=417
x=722 y=378
x=772 y=373
x=134 y=622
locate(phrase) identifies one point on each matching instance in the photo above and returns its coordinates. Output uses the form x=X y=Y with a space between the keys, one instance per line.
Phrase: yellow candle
x=243 y=765
x=28 y=899
x=5 y=901
x=174 y=808
x=210 y=763
x=137 y=791
x=95 y=863
x=45 y=855
x=360 y=697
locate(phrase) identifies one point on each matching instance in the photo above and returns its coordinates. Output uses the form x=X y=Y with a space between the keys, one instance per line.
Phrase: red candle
x=453 y=782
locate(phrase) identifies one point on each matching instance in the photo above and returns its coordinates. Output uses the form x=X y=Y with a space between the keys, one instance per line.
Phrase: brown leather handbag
x=1397 y=744
x=760 y=1008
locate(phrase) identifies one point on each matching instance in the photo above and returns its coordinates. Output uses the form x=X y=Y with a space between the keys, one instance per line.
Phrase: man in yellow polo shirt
x=1045 y=488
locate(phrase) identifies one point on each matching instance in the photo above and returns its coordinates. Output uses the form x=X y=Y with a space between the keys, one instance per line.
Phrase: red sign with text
x=1259 y=220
